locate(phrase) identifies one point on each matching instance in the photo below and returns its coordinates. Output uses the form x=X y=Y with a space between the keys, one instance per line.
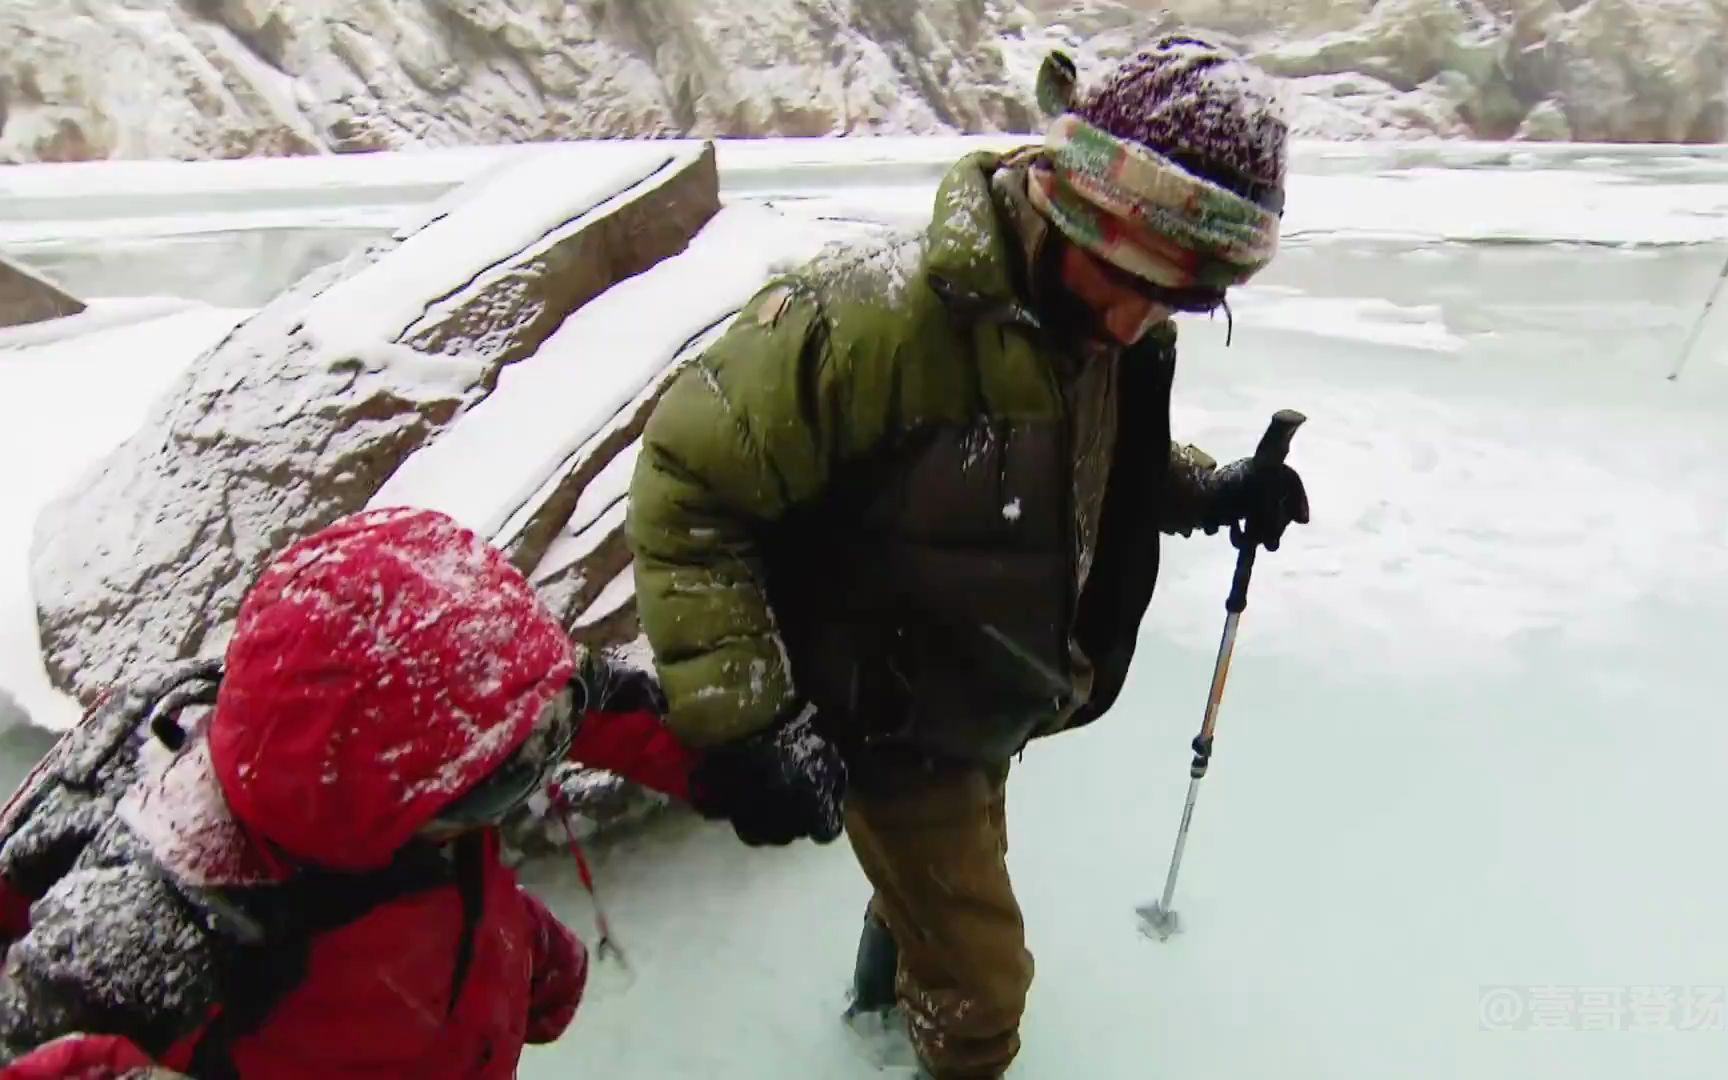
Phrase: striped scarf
x=1145 y=214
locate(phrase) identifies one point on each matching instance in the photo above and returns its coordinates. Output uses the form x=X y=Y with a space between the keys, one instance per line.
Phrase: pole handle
x=1275 y=444
x=1274 y=448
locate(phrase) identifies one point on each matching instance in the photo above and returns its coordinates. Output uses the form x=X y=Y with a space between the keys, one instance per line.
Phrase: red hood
x=379 y=669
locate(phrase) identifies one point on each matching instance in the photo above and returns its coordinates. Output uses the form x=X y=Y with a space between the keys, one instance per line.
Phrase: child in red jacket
x=309 y=884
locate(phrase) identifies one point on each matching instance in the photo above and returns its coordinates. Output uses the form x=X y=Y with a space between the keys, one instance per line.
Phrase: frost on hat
x=1203 y=107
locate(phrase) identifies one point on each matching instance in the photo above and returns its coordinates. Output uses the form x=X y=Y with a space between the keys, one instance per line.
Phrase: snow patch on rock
x=300 y=415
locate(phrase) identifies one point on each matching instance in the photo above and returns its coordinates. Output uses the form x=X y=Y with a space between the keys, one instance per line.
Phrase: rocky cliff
x=216 y=78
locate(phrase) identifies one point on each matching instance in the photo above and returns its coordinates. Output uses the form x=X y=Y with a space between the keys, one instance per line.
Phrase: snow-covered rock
x=542 y=466
x=222 y=78
x=306 y=410
x=1643 y=70
x=26 y=297
x=1402 y=42
x=1617 y=70
x=1353 y=106
x=1546 y=123
x=134 y=78
x=197 y=78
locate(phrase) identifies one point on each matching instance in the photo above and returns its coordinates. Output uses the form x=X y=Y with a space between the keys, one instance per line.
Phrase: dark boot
x=873 y=974
x=873 y=1015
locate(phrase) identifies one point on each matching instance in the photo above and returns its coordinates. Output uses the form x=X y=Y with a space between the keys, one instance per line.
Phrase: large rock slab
x=26 y=297
x=303 y=412
x=542 y=466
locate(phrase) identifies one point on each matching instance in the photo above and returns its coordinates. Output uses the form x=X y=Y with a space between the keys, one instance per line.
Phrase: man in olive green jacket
x=904 y=516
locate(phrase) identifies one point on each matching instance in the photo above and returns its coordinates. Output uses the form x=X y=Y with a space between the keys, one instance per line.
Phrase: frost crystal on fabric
x=889 y=263
x=1187 y=98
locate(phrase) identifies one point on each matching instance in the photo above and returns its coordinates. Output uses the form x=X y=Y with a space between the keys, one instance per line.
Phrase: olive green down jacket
x=860 y=497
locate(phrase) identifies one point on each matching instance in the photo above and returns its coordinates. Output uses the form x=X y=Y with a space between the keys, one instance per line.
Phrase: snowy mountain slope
x=86 y=79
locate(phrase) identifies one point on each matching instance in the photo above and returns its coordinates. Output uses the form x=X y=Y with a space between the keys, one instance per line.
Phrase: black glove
x=606 y=685
x=1257 y=504
x=775 y=786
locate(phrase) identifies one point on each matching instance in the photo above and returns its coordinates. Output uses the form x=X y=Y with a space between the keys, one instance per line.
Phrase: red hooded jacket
x=379 y=670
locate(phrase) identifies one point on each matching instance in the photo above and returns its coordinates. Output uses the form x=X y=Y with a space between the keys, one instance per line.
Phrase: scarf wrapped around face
x=1145 y=214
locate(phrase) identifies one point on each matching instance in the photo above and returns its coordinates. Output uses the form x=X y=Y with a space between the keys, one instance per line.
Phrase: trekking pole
x=607 y=943
x=1159 y=918
x=1698 y=326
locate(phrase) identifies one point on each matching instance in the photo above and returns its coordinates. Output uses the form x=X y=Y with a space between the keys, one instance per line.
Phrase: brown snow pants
x=934 y=847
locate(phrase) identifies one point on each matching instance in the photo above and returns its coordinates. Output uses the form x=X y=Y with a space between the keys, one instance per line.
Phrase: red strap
x=637 y=746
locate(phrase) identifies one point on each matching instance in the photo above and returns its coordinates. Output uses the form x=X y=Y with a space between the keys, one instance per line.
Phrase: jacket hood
x=379 y=669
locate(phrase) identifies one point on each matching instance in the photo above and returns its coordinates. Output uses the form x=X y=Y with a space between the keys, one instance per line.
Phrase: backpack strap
x=470 y=859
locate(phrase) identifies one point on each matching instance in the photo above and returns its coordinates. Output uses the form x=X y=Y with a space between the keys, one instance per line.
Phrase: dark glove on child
x=775 y=786
x=607 y=685
x=1257 y=504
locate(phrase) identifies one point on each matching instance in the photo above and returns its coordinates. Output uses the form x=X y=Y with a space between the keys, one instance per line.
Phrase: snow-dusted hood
x=379 y=669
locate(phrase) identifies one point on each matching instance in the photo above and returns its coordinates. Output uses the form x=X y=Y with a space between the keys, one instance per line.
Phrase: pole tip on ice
x=1158 y=922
